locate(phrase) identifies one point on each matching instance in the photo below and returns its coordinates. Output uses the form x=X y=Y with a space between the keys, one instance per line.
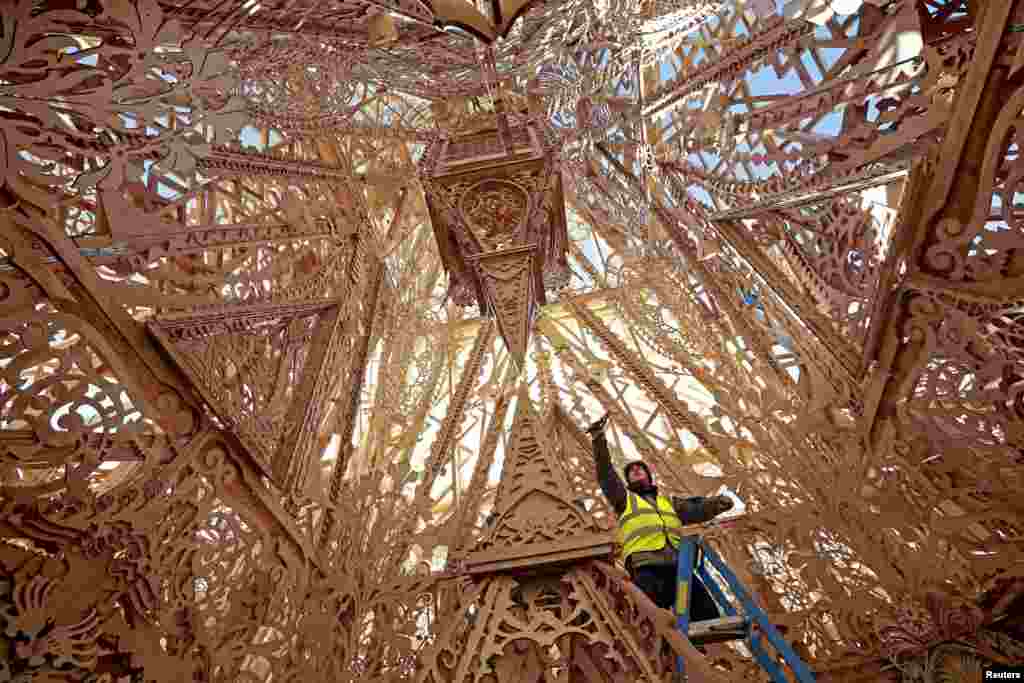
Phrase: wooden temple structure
x=304 y=305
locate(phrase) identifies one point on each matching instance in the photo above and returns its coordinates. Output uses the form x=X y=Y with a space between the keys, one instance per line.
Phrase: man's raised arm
x=611 y=483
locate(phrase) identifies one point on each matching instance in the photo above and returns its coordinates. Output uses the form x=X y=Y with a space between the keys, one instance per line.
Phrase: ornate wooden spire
x=496 y=205
x=536 y=518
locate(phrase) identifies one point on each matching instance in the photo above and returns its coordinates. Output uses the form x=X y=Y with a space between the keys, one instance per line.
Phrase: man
x=649 y=524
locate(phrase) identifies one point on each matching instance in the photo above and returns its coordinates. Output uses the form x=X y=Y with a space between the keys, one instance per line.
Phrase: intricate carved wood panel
x=786 y=262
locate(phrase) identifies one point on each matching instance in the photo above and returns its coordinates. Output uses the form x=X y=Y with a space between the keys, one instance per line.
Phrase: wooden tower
x=542 y=601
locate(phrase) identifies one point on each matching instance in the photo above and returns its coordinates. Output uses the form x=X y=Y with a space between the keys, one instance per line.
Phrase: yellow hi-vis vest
x=644 y=528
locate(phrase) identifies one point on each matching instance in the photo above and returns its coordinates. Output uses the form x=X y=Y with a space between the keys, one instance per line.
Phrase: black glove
x=597 y=429
x=718 y=504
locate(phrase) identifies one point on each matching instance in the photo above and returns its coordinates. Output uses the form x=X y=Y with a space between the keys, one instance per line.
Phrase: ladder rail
x=716 y=591
x=765 y=660
x=753 y=610
x=687 y=567
x=684 y=573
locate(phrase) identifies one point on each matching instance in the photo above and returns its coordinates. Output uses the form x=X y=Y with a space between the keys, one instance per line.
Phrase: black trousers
x=658 y=581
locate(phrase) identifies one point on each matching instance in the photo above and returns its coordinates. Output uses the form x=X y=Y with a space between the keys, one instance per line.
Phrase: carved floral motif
x=293 y=488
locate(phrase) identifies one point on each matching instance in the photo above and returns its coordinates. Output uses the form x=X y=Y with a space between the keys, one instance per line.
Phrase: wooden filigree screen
x=250 y=431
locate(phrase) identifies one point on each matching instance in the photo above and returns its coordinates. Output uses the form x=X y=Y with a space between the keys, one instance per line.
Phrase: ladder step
x=719 y=630
x=692 y=552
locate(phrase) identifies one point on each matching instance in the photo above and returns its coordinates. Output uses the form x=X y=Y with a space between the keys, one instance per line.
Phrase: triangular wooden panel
x=257 y=368
x=536 y=518
x=508 y=280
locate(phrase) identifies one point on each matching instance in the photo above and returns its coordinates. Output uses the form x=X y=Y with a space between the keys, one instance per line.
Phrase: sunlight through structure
x=305 y=308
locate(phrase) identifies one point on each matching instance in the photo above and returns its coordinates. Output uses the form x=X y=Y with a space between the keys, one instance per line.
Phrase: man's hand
x=598 y=427
x=716 y=505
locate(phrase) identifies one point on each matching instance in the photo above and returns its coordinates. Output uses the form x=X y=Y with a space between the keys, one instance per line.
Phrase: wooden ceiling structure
x=256 y=424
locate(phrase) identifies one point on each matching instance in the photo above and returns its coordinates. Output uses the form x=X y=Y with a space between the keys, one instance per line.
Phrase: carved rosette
x=496 y=212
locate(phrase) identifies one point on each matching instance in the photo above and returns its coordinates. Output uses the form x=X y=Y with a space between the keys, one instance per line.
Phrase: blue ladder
x=732 y=626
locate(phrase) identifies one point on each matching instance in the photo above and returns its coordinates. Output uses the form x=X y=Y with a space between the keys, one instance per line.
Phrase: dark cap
x=638 y=463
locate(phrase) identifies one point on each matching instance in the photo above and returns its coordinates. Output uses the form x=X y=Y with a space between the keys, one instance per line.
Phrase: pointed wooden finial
x=509 y=279
x=536 y=521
